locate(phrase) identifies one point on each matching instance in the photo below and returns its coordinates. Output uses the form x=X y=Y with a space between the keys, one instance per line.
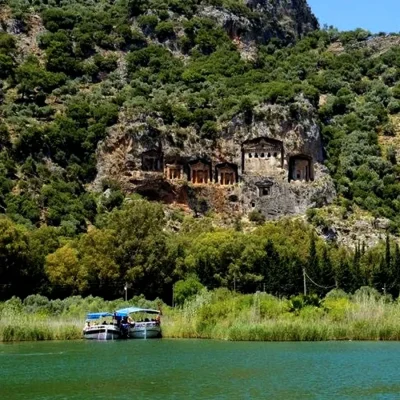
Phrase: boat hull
x=104 y=332
x=145 y=332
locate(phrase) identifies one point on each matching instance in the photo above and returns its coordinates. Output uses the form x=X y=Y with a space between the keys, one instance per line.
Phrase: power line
x=316 y=284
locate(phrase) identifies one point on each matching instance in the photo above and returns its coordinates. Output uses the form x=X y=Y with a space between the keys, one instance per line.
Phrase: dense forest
x=135 y=244
x=82 y=65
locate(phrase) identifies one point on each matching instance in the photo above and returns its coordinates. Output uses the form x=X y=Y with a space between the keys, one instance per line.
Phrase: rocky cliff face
x=285 y=15
x=261 y=20
x=270 y=161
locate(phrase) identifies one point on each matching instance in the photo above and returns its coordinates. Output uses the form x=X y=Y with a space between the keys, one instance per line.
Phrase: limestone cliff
x=261 y=20
x=272 y=162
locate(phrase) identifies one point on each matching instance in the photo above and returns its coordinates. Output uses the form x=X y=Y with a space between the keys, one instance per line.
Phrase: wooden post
x=304 y=282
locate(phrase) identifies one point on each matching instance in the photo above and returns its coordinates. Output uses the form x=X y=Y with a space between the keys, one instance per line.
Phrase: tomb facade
x=300 y=168
x=262 y=155
x=174 y=172
x=200 y=172
x=226 y=174
x=264 y=188
x=152 y=160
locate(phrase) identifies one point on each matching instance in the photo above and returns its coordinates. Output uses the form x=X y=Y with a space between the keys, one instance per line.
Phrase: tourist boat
x=143 y=323
x=106 y=330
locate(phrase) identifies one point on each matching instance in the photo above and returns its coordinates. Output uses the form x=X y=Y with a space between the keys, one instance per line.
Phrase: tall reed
x=223 y=315
x=38 y=318
x=261 y=317
x=33 y=328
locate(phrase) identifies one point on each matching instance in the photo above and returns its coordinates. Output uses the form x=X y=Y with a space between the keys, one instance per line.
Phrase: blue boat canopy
x=98 y=315
x=124 y=312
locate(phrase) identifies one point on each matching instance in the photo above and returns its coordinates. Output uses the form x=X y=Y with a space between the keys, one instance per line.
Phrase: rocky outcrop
x=352 y=230
x=376 y=45
x=25 y=32
x=272 y=162
x=260 y=20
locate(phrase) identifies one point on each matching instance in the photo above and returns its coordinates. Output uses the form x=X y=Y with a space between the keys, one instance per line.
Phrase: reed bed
x=38 y=318
x=34 y=328
x=260 y=317
x=224 y=315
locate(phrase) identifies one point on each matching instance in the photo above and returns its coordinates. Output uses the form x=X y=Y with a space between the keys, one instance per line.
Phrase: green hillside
x=71 y=70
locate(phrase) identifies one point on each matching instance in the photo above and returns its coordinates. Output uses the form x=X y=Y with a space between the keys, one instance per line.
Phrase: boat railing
x=143 y=324
x=97 y=326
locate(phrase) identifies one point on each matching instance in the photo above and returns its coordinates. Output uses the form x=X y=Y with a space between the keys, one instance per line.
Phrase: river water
x=196 y=369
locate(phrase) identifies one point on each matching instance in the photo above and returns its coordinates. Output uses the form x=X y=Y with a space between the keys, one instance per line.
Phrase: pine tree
x=356 y=278
x=313 y=259
x=266 y=265
x=326 y=275
x=385 y=275
x=276 y=275
x=396 y=272
x=363 y=249
x=344 y=277
x=313 y=267
x=379 y=276
x=388 y=257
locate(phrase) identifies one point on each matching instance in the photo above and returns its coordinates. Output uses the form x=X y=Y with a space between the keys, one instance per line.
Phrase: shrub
x=257 y=217
x=148 y=23
x=165 y=30
x=185 y=290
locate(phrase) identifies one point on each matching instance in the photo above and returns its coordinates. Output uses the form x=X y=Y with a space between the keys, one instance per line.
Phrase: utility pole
x=126 y=291
x=304 y=282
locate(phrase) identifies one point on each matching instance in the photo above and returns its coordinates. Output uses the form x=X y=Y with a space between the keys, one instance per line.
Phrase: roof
x=98 y=315
x=267 y=183
x=124 y=312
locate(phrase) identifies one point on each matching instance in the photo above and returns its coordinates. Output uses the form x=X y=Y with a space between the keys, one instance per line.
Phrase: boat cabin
x=144 y=323
x=101 y=326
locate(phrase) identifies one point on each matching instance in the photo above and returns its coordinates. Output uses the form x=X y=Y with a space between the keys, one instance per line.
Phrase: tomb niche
x=226 y=174
x=300 y=168
x=200 y=172
x=152 y=161
x=174 y=172
x=261 y=155
x=264 y=188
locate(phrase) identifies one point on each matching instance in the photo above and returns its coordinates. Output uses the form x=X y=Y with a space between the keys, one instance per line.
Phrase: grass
x=224 y=315
x=261 y=317
x=34 y=328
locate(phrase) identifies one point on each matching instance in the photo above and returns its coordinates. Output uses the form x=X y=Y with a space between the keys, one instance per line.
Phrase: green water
x=183 y=369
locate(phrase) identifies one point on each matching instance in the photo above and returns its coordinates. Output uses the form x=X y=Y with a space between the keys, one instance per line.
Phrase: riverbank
x=38 y=318
x=224 y=315
x=366 y=315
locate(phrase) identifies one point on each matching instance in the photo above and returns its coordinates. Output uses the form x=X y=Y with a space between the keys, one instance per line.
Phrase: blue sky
x=373 y=15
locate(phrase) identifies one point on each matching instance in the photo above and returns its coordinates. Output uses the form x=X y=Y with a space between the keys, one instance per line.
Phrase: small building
x=200 y=172
x=226 y=174
x=152 y=160
x=300 y=168
x=174 y=172
x=264 y=188
x=262 y=155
